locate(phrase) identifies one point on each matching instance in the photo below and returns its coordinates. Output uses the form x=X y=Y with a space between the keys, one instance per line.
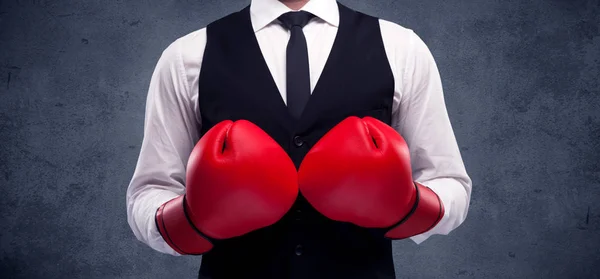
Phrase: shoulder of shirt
x=404 y=41
x=189 y=47
x=395 y=33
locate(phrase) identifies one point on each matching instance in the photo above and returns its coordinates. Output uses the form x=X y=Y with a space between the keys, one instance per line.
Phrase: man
x=296 y=139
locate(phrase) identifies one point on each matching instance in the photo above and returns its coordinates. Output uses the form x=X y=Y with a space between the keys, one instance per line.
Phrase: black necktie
x=298 y=75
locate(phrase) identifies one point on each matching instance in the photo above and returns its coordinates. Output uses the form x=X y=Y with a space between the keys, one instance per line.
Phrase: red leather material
x=177 y=230
x=360 y=172
x=427 y=214
x=239 y=180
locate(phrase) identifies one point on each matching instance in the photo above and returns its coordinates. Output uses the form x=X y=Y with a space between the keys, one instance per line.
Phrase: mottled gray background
x=522 y=90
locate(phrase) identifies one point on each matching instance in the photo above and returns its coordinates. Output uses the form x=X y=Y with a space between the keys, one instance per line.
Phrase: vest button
x=298 y=141
x=298 y=250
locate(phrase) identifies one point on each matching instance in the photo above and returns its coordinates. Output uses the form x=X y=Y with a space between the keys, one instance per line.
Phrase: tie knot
x=299 y=18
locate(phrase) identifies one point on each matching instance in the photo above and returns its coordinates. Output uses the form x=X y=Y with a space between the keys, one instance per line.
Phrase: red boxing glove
x=359 y=172
x=238 y=180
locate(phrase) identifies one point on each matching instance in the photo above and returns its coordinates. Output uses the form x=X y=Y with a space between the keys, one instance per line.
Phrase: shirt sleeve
x=170 y=133
x=422 y=119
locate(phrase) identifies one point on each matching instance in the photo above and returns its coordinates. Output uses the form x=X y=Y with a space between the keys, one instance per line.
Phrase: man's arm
x=422 y=119
x=170 y=133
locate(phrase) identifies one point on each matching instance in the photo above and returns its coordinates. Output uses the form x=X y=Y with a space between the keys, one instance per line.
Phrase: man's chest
x=273 y=41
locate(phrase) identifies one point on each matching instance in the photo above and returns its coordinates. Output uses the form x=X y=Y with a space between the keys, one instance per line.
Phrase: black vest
x=235 y=83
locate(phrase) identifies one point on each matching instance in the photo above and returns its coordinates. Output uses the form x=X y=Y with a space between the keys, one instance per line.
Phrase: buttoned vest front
x=235 y=83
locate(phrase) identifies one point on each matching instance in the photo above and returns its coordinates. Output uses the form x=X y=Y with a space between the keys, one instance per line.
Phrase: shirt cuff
x=155 y=240
x=446 y=189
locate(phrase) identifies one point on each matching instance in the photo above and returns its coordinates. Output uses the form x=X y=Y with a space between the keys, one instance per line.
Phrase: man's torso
x=235 y=83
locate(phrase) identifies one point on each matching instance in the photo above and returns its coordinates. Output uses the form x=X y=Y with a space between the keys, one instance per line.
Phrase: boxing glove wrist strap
x=178 y=231
x=426 y=212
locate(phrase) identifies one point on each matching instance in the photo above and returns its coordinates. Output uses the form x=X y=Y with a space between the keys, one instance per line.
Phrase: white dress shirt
x=172 y=113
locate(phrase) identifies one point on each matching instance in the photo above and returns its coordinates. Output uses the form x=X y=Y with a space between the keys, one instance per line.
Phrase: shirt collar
x=263 y=12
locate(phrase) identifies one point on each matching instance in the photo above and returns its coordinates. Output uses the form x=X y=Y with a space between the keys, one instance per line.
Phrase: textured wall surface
x=522 y=90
